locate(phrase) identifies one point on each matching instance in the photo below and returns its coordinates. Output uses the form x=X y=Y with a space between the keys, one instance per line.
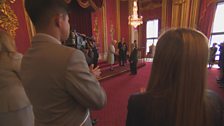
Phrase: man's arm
x=82 y=84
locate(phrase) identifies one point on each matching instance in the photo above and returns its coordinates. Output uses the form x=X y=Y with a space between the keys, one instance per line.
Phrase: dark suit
x=121 y=54
x=133 y=61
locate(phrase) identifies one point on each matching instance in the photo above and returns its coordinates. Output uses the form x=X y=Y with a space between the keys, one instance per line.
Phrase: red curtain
x=94 y=4
x=22 y=36
x=80 y=18
x=124 y=21
x=206 y=17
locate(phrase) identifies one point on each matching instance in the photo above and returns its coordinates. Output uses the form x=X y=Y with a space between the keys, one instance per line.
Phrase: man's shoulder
x=66 y=49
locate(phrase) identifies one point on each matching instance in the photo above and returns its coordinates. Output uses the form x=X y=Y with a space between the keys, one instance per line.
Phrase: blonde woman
x=15 y=108
x=176 y=94
x=111 y=54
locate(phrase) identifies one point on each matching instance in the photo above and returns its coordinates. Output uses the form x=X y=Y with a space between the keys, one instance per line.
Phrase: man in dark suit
x=133 y=61
x=121 y=51
x=59 y=83
x=220 y=80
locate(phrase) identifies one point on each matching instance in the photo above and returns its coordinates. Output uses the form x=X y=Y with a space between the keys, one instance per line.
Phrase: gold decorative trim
x=175 y=16
x=185 y=9
x=178 y=2
x=83 y=4
x=130 y=6
x=30 y=27
x=118 y=19
x=93 y=5
x=164 y=16
x=105 y=43
x=87 y=4
x=151 y=6
x=8 y=19
x=194 y=13
x=96 y=30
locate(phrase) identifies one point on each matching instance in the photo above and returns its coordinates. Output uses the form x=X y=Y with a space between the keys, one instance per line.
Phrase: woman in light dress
x=15 y=108
x=111 y=54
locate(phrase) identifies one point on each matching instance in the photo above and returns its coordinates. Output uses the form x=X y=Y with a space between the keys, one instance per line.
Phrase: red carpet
x=117 y=70
x=119 y=88
x=212 y=75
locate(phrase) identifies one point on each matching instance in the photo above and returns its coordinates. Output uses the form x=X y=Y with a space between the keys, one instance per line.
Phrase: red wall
x=99 y=15
x=124 y=20
x=22 y=37
x=111 y=18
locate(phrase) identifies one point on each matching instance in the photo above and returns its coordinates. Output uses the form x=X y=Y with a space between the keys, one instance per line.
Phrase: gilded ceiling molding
x=118 y=10
x=8 y=19
x=151 y=6
x=164 y=16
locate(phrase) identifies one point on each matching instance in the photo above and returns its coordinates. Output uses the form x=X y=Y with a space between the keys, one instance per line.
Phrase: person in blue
x=212 y=55
x=220 y=80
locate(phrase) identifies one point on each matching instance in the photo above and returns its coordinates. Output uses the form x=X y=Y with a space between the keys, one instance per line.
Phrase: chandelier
x=134 y=20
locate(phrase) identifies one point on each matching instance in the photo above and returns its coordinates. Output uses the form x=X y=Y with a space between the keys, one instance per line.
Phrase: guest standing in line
x=220 y=79
x=176 y=94
x=121 y=52
x=95 y=54
x=212 y=55
x=125 y=49
x=111 y=54
x=133 y=61
x=15 y=107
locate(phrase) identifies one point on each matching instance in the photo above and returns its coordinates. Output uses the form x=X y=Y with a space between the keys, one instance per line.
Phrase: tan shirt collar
x=45 y=38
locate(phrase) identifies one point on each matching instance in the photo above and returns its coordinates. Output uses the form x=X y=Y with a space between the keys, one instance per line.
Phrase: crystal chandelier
x=134 y=20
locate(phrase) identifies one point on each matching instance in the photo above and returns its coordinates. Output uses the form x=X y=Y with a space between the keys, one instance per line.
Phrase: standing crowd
x=52 y=85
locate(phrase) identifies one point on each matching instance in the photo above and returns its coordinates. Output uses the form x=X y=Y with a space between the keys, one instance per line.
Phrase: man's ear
x=57 y=21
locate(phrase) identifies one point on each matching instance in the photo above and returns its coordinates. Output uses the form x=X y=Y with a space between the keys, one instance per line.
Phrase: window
x=217 y=34
x=151 y=33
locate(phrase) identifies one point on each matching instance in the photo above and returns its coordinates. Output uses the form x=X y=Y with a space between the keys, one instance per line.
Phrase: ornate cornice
x=84 y=4
x=87 y=3
x=150 y=6
x=8 y=19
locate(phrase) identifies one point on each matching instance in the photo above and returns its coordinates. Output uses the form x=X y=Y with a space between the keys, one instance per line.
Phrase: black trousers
x=133 y=67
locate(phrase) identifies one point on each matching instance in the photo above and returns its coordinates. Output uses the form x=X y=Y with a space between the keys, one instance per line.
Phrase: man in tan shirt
x=57 y=79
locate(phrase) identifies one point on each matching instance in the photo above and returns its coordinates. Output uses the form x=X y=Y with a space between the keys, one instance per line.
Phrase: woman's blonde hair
x=7 y=43
x=179 y=72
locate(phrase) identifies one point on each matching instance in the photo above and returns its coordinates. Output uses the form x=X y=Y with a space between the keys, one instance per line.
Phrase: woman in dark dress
x=176 y=94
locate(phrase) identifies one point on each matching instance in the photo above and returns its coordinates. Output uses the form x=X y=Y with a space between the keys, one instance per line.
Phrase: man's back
x=58 y=83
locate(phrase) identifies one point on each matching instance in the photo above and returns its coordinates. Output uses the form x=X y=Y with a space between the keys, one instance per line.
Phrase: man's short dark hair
x=40 y=9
